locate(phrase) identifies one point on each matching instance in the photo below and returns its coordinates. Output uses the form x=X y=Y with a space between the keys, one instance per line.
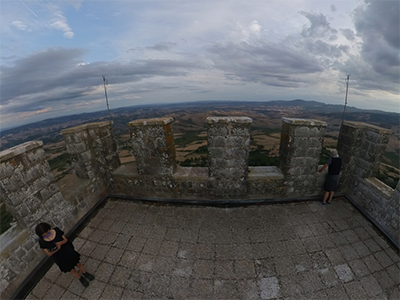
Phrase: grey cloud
x=319 y=47
x=161 y=46
x=319 y=25
x=348 y=34
x=41 y=102
x=363 y=77
x=379 y=18
x=44 y=76
x=377 y=23
x=333 y=8
x=263 y=62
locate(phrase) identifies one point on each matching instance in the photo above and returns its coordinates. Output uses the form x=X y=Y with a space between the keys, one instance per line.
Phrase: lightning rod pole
x=345 y=100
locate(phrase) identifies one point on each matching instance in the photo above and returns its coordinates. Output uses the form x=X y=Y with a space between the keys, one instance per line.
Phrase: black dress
x=66 y=258
x=332 y=179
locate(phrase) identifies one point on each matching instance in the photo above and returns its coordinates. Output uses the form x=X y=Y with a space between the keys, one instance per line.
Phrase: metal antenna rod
x=105 y=92
x=345 y=100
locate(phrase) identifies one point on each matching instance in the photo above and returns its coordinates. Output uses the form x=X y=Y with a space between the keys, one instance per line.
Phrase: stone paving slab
x=283 y=251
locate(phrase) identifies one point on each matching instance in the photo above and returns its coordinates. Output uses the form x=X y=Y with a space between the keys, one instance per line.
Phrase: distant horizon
x=194 y=102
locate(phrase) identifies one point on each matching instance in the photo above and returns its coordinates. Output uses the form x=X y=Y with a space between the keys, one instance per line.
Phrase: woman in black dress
x=55 y=244
x=334 y=165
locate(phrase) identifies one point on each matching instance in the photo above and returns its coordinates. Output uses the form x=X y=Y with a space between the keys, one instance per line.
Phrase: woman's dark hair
x=42 y=228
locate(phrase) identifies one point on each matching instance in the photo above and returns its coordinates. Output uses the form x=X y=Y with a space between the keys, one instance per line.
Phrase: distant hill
x=264 y=114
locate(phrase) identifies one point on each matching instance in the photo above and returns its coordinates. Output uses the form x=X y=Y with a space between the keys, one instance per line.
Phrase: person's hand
x=58 y=244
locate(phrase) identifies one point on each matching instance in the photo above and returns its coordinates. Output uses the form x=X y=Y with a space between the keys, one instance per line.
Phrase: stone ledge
x=153 y=121
x=85 y=127
x=304 y=122
x=11 y=239
x=362 y=125
x=19 y=149
x=195 y=173
x=226 y=120
x=383 y=190
x=269 y=172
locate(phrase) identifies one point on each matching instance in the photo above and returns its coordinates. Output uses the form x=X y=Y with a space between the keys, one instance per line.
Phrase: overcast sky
x=54 y=53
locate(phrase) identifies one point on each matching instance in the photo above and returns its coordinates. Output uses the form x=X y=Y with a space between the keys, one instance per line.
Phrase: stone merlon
x=20 y=149
x=239 y=120
x=149 y=122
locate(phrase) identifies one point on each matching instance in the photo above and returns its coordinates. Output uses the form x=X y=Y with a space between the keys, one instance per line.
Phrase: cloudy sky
x=54 y=53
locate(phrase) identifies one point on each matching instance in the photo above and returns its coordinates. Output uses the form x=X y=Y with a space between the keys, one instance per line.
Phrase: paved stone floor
x=285 y=251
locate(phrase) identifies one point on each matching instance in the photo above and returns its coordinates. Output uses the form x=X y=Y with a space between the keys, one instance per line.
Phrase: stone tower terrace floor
x=284 y=251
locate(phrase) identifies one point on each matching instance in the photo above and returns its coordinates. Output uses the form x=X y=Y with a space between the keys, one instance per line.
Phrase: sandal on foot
x=84 y=282
x=88 y=276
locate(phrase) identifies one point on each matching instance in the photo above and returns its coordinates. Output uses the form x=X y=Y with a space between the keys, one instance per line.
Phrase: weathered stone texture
x=92 y=150
x=361 y=147
x=30 y=194
x=28 y=189
x=228 y=146
x=300 y=148
x=153 y=146
x=27 y=184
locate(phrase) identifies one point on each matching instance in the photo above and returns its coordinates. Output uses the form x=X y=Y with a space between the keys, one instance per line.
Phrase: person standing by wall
x=334 y=165
x=55 y=244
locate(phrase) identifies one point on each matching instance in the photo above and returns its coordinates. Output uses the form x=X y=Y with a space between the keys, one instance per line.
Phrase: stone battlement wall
x=30 y=193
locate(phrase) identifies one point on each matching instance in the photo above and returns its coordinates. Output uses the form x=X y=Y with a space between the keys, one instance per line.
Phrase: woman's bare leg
x=81 y=268
x=325 y=196
x=75 y=273
x=330 y=196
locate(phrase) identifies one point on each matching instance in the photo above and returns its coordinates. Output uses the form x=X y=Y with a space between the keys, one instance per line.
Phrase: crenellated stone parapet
x=361 y=147
x=228 y=148
x=153 y=146
x=92 y=150
x=28 y=188
x=27 y=185
x=300 y=149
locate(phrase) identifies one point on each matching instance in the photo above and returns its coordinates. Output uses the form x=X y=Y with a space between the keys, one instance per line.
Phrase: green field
x=60 y=162
x=188 y=138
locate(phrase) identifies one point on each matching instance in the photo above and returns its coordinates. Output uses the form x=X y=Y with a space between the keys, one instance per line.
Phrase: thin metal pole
x=105 y=92
x=345 y=100
x=108 y=109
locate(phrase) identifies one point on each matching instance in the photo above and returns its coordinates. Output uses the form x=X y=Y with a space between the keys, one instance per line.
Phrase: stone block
x=30 y=256
x=161 y=142
x=306 y=131
x=29 y=244
x=217 y=141
x=21 y=149
x=19 y=253
x=39 y=184
x=77 y=148
x=217 y=163
x=238 y=141
x=228 y=120
x=240 y=131
x=6 y=170
x=86 y=156
x=217 y=153
x=242 y=153
x=36 y=155
x=17 y=197
x=22 y=211
x=49 y=191
x=217 y=130
x=14 y=182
